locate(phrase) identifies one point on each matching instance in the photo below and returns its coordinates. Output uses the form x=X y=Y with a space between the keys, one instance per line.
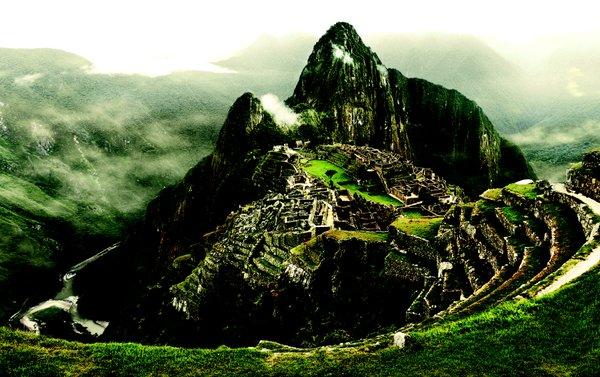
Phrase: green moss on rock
x=424 y=227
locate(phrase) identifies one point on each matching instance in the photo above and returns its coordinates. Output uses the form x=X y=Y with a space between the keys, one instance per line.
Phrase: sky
x=156 y=37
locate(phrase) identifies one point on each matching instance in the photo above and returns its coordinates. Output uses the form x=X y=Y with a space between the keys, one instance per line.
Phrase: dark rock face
x=363 y=102
x=513 y=165
x=585 y=177
x=449 y=132
x=248 y=127
x=346 y=80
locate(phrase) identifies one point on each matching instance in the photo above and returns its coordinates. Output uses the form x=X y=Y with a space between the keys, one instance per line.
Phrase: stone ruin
x=585 y=177
x=304 y=252
x=417 y=188
x=308 y=259
x=261 y=240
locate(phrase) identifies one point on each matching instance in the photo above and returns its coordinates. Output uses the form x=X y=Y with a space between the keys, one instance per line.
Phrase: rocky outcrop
x=346 y=81
x=584 y=177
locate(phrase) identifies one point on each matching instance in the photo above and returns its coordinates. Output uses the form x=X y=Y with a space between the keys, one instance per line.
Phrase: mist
x=153 y=38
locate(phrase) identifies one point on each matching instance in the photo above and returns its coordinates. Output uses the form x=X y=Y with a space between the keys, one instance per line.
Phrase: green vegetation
x=484 y=207
x=576 y=165
x=513 y=215
x=412 y=213
x=364 y=235
x=81 y=154
x=309 y=251
x=554 y=335
x=593 y=215
x=336 y=176
x=528 y=191
x=494 y=194
x=342 y=235
x=19 y=195
x=424 y=227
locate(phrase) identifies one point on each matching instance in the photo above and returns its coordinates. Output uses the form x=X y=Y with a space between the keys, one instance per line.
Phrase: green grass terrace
x=336 y=176
x=529 y=190
x=424 y=227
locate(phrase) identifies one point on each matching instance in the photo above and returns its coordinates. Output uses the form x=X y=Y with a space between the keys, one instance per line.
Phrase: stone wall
x=585 y=177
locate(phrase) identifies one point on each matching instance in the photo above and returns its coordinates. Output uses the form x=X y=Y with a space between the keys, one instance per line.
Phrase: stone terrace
x=416 y=187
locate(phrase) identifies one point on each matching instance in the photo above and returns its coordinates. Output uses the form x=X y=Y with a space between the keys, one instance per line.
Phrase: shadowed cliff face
x=365 y=103
x=247 y=127
x=345 y=79
x=449 y=133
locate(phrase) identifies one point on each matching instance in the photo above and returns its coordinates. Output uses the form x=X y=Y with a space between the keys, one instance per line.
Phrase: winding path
x=591 y=260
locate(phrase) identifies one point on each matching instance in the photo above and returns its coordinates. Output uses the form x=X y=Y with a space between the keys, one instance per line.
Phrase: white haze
x=157 y=37
x=568 y=134
x=282 y=114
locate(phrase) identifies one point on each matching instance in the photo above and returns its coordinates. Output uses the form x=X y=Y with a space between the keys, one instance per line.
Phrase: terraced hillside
x=535 y=315
x=355 y=213
x=513 y=242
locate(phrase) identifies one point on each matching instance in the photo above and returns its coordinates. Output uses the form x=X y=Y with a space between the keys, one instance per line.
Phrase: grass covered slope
x=336 y=176
x=554 y=335
x=424 y=227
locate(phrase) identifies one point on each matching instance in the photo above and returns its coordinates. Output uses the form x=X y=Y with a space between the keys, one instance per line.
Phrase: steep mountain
x=360 y=100
x=220 y=242
x=347 y=82
x=464 y=63
x=540 y=88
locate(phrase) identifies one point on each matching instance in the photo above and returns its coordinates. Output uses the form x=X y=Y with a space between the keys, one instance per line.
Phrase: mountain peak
x=340 y=69
x=342 y=33
x=342 y=43
x=247 y=126
x=344 y=80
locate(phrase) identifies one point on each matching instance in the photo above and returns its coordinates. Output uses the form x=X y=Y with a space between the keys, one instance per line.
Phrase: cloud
x=282 y=114
x=28 y=79
x=573 y=87
x=570 y=135
x=42 y=137
x=342 y=54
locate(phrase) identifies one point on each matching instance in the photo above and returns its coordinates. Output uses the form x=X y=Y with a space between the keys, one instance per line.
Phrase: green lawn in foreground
x=340 y=179
x=553 y=336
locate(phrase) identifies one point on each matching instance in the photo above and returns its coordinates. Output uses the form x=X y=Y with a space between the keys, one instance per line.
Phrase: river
x=66 y=300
